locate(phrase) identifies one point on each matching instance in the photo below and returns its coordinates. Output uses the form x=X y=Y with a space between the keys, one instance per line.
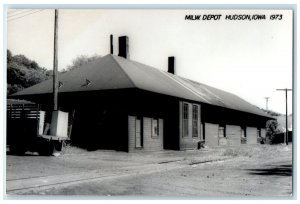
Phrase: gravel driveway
x=249 y=170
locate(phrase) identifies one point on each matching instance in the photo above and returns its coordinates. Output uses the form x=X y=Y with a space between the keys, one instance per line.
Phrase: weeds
x=231 y=152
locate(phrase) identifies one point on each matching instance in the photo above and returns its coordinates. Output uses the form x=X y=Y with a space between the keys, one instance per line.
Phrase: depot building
x=124 y=105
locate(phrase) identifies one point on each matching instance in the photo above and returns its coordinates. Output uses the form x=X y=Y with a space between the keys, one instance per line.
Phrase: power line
x=25 y=15
x=31 y=12
x=16 y=10
x=20 y=13
x=12 y=15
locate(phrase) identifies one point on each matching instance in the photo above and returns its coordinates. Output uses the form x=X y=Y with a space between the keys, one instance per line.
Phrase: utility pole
x=267 y=100
x=286 y=138
x=55 y=63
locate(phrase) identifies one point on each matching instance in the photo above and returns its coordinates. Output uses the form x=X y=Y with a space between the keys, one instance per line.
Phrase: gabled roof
x=113 y=72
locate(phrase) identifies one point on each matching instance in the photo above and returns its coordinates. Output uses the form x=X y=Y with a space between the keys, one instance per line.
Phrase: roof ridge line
x=227 y=92
x=182 y=80
x=120 y=67
x=206 y=89
x=185 y=86
x=166 y=74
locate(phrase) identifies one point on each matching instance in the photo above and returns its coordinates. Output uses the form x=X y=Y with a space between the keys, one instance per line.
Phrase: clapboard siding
x=161 y=132
x=152 y=143
x=233 y=135
x=211 y=134
x=251 y=135
x=131 y=133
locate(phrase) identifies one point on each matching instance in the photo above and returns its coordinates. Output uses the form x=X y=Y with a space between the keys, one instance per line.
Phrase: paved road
x=184 y=174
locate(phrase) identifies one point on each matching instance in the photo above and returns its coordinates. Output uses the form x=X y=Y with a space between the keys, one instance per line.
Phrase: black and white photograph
x=149 y=102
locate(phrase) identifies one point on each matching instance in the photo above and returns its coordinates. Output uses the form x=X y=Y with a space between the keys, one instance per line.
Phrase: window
x=185 y=120
x=259 y=138
x=195 y=121
x=221 y=132
x=258 y=133
x=243 y=132
x=155 y=128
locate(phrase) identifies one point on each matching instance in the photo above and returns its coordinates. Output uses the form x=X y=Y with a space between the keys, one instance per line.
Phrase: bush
x=271 y=130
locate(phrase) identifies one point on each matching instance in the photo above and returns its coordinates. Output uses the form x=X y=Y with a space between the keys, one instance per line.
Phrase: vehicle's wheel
x=58 y=145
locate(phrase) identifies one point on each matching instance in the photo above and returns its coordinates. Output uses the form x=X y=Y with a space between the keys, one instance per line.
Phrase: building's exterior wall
x=233 y=135
x=223 y=141
x=189 y=141
x=251 y=135
x=151 y=105
x=150 y=142
x=211 y=134
x=131 y=133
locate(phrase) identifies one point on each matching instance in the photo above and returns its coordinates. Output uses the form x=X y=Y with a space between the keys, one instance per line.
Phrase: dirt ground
x=248 y=170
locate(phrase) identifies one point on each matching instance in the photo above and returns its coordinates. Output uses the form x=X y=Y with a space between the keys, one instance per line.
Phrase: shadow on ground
x=281 y=170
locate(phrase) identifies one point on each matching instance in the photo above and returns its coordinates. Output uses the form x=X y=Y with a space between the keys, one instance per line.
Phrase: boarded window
x=222 y=132
x=195 y=121
x=155 y=128
x=185 y=120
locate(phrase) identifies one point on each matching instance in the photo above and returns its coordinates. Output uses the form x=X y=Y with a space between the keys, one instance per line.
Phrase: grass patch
x=230 y=152
x=254 y=150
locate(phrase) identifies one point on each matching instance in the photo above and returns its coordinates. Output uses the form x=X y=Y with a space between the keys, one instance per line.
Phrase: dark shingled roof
x=113 y=72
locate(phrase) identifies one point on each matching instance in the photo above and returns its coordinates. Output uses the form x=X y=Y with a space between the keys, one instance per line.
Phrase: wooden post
x=286 y=137
x=286 y=119
x=267 y=100
x=55 y=63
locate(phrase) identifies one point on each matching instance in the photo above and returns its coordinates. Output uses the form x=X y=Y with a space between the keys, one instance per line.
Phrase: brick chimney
x=124 y=47
x=171 y=65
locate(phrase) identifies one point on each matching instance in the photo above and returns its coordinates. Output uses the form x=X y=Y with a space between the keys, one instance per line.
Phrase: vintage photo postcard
x=149 y=102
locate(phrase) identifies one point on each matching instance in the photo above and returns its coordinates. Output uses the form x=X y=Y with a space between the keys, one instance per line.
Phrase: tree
x=33 y=76
x=9 y=56
x=271 y=130
x=23 y=72
x=80 y=61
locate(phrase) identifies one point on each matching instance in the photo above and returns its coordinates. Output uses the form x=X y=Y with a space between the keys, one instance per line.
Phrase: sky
x=248 y=58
